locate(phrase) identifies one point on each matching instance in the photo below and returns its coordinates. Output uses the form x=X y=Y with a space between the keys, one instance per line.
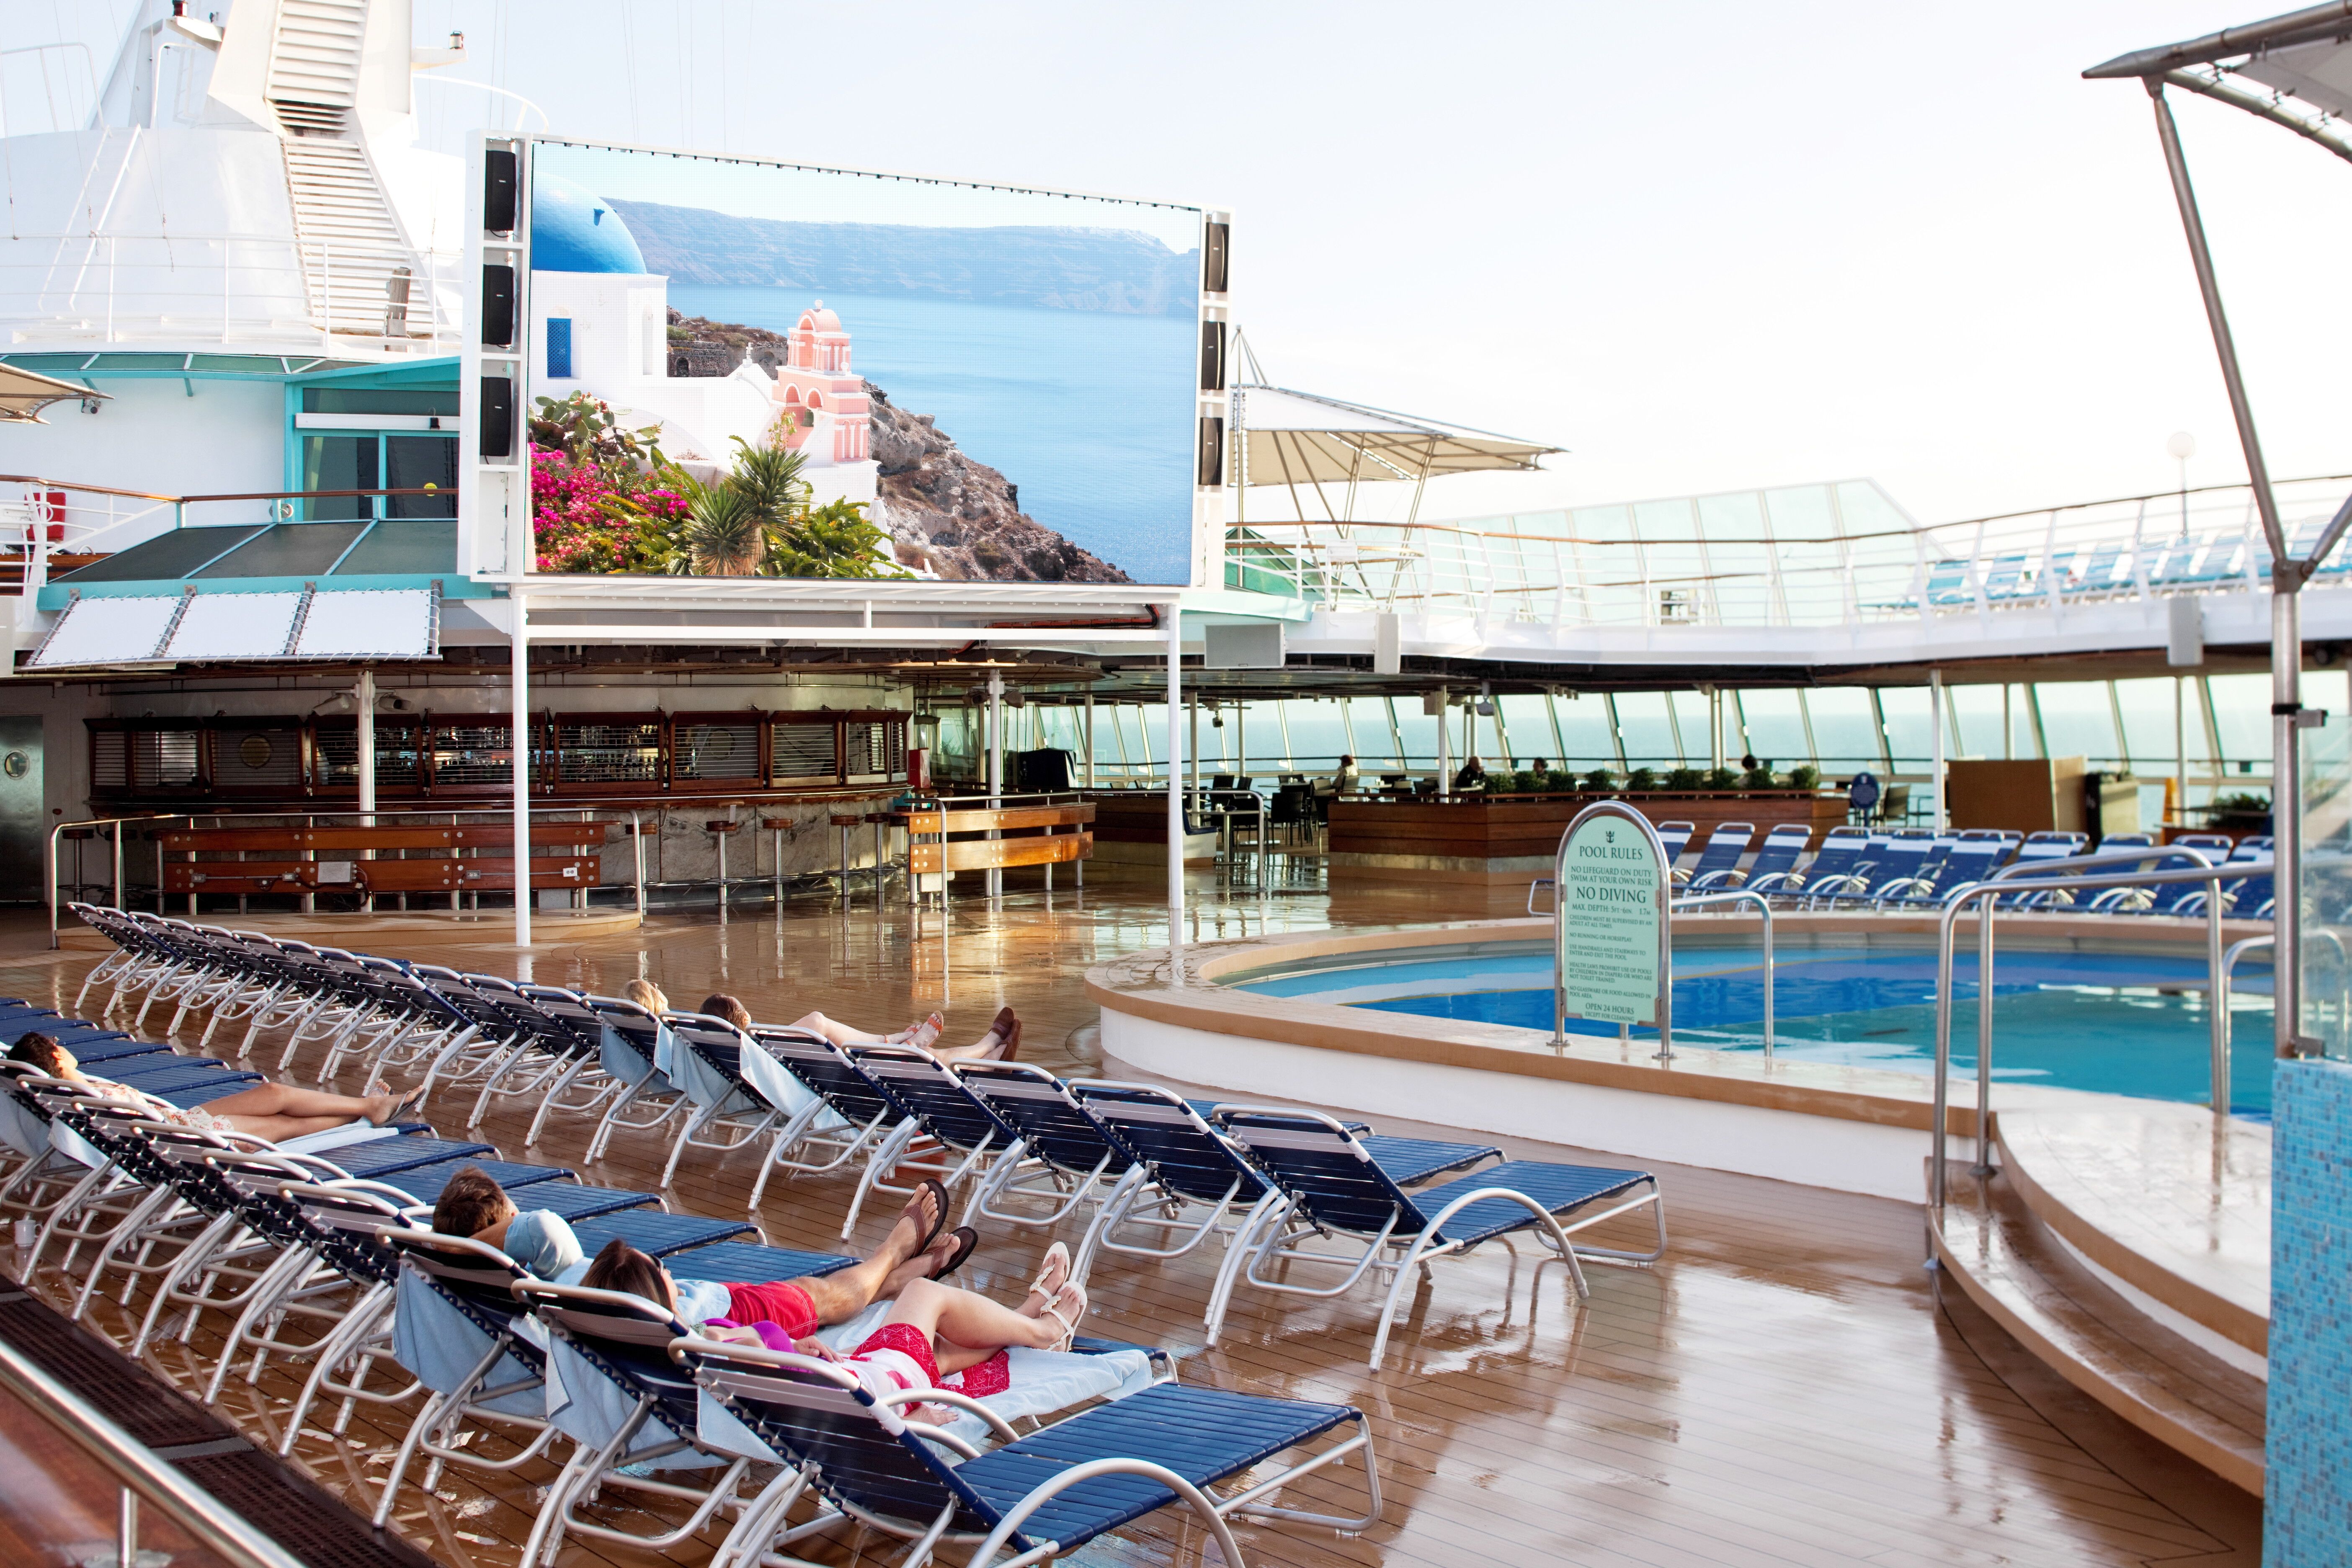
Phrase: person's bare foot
x=917 y=1229
x=922 y=1036
x=383 y=1110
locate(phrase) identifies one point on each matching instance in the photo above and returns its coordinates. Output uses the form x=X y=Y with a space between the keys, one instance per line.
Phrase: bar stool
x=719 y=832
x=844 y=821
x=782 y=827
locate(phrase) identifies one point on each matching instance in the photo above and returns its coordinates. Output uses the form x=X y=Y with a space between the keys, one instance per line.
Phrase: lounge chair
x=1974 y=856
x=1843 y=851
x=1045 y=1495
x=1720 y=858
x=1776 y=860
x=1331 y=1186
x=2043 y=846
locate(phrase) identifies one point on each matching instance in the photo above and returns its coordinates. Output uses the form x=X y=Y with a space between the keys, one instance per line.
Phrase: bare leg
x=268 y=1100
x=1001 y=1043
x=841 y=1296
x=841 y=1033
x=279 y=1129
x=946 y=1312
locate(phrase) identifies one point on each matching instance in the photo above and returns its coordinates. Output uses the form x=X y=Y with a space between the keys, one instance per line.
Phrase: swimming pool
x=2113 y=1021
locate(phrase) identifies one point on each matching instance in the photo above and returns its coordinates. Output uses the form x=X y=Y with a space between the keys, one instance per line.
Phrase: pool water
x=2112 y=1023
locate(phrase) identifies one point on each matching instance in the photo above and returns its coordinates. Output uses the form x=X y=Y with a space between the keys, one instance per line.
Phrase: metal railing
x=143 y=1476
x=111 y=829
x=1826 y=556
x=2038 y=877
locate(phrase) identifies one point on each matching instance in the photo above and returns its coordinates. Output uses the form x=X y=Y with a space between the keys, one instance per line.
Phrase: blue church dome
x=574 y=230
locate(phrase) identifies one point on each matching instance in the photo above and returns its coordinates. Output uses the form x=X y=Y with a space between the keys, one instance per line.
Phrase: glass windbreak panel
x=1319 y=734
x=958 y=743
x=2326 y=861
x=1065 y=729
x=472 y=754
x=339 y=463
x=1881 y=562
x=1673 y=562
x=417 y=462
x=1527 y=718
x=1608 y=566
x=1772 y=728
x=1419 y=731
x=1845 y=730
x=1738 y=562
x=718 y=748
x=1585 y=730
x=2078 y=721
x=1976 y=715
x=1375 y=745
x=1910 y=738
x=2149 y=731
x=2242 y=717
x=803 y=752
x=1646 y=731
x=1267 y=755
x=1147 y=724
x=1691 y=711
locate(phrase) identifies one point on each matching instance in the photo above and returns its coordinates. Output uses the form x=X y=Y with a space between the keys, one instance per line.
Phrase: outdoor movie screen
x=739 y=368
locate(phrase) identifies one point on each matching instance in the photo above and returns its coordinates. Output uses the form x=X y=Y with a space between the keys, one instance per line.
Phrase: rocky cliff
x=963 y=517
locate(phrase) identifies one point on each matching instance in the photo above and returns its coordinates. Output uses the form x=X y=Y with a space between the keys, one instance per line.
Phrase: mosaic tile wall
x=2307 y=1513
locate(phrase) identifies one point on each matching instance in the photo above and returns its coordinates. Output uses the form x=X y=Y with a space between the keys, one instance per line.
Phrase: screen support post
x=1175 y=789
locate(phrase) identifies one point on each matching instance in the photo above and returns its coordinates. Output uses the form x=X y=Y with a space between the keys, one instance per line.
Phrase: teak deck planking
x=1785 y=1388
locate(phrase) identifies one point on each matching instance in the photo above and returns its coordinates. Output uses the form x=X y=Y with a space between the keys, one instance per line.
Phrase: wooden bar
x=980 y=854
x=1505 y=837
x=549 y=834
x=434 y=875
x=981 y=819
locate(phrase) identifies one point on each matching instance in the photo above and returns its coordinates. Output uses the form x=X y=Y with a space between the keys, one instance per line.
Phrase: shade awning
x=25 y=393
x=1290 y=437
x=134 y=630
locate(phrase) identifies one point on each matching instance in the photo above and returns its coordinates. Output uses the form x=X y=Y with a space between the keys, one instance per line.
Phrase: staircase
x=355 y=260
x=1995 y=1242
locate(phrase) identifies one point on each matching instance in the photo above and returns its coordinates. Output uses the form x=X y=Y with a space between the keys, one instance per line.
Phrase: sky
x=1704 y=247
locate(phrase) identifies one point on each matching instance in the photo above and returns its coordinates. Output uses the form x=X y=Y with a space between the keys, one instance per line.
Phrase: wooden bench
x=448 y=859
x=1032 y=836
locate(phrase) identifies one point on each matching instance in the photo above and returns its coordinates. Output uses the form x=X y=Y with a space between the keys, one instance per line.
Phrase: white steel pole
x=519 y=746
x=1444 y=752
x=1090 y=740
x=1936 y=723
x=365 y=693
x=995 y=765
x=1175 y=783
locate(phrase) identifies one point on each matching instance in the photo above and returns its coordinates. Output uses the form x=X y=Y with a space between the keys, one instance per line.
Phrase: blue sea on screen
x=1090 y=413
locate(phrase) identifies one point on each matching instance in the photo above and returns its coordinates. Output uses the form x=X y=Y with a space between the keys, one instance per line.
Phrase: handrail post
x=1984 y=1038
x=53 y=832
x=118 y=861
x=2217 y=998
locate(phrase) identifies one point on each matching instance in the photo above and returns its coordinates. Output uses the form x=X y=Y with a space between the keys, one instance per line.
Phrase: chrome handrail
x=213 y=1526
x=2008 y=880
x=1771 y=975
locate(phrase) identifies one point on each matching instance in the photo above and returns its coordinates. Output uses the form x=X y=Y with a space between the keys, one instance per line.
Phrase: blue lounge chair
x=1974 y=856
x=1675 y=837
x=862 y=1115
x=1776 y=857
x=2046 y=845
x=1720 y=858
x=1843 y=852
x=1045 y=1495
x=972 y=1136
x=1331 y=1186
x=1893 y=860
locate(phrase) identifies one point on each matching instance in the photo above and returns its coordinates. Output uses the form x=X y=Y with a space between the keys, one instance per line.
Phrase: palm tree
x=770 y=477
x=724 y=534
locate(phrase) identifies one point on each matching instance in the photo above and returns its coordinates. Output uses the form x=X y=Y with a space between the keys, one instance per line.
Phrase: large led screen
x=739 y=368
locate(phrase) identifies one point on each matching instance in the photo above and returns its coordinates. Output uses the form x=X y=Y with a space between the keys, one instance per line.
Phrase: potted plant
x=2241 y=813
x=1723 y=778
x=1641 y=778
x=1599 y=779
x=1804 y=776
x=1685 y=779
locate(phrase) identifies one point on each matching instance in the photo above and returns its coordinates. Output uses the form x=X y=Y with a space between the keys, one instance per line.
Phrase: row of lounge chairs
x=2202 y=559
x=1921 y=868
x=331 y=1236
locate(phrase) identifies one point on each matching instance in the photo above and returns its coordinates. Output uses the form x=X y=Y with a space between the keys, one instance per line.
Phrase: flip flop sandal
x=400 y=1107
x=967 y=1242
x=1037 y=1286
x=1076 y=1295
x=939 y=1220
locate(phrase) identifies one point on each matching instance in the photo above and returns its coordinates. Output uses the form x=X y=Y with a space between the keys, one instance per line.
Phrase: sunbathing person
x=646 y=994
x=933 y=1332
x=472 y=1203
x=273 y=1111
x=1001 y=1043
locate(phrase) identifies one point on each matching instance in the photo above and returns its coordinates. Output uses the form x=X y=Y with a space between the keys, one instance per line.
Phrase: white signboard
x=1610 y=929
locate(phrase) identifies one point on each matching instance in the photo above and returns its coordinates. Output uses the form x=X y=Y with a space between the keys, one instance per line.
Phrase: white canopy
x=1295 y=438
x=25 y=393
x=166 y=628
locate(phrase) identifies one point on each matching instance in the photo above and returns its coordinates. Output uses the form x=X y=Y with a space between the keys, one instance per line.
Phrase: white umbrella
x=25 y=393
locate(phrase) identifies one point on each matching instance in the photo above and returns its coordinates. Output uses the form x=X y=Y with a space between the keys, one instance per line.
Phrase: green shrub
x=1600 y=778
x=1723 y=778
x=1523 y=783
x=1805 y=777
x=1641 y=778
x=1759 y=777
x=1683 y=778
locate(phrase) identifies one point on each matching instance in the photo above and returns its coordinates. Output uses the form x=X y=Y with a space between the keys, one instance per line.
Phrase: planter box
x=1511 y=838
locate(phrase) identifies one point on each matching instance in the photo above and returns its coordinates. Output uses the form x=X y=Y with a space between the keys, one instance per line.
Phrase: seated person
x=1541 y=772
x=273 y=1111
x=934 y=1331
x=473 y=1204
x=1473 y=775
x=1001 y=1043
x=1343 y=782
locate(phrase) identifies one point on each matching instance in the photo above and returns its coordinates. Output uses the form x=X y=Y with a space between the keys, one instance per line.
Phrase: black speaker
x=1213 y=264
x=498 y=306
x=1213 y=453
x=499 y=192
x=497 y=416
x=1212 y=356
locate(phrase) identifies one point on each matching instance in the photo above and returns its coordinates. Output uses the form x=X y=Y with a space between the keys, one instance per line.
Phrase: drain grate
x=305 y=1519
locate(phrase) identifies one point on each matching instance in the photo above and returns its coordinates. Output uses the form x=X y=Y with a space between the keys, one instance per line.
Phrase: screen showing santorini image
x=742 y=369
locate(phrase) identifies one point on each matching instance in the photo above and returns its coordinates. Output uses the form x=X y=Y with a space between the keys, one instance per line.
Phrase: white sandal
x=1037 y=1286
x=1074 y=1295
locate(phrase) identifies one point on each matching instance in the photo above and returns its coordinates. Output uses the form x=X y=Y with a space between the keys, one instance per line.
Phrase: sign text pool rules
x=1609 y=960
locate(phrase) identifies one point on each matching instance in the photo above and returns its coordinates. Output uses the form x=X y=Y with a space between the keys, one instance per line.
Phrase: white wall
x=616 y=318
x=229 y=439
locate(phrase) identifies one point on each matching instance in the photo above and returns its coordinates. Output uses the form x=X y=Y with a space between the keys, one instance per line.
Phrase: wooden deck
x=1786 y=1389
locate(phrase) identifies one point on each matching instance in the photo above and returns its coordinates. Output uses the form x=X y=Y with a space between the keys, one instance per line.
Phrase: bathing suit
x=785 y=1304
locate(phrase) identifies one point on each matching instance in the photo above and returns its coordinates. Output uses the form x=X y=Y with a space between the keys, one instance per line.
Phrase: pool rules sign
x=1611 y=880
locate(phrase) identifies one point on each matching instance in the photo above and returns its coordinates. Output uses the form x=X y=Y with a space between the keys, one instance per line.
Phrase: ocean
x=1091 y=414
